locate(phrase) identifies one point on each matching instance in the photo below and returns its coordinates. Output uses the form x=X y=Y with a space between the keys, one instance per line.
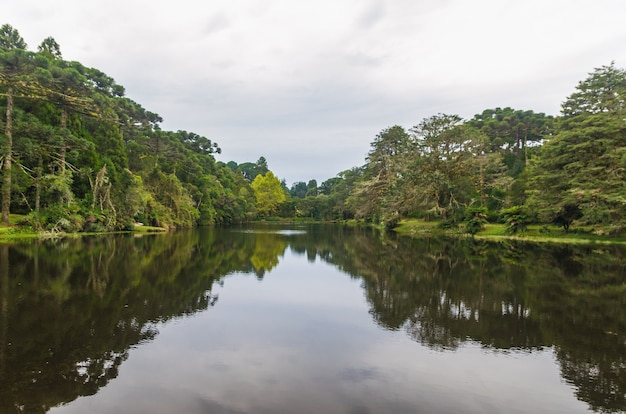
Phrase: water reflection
x=71 y=310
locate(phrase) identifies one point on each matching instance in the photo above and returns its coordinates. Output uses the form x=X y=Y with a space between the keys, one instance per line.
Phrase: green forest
x=77 y=155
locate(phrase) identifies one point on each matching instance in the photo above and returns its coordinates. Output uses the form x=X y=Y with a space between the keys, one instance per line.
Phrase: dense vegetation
x=512 y=166
x=77 y=155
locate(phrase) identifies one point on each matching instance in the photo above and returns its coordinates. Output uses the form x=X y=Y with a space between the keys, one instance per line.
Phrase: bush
x=566 y=215
x=475 y=219
x=516 y=219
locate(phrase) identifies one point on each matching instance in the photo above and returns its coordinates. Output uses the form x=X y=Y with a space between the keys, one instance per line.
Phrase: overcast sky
x=309 y=84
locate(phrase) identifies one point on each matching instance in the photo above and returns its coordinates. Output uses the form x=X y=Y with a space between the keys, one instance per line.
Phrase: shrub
x=475 y=219
x=516 y=219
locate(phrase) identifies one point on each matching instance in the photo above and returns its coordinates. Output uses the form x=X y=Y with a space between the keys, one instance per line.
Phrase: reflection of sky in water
x=284 y=232
x=303 y=341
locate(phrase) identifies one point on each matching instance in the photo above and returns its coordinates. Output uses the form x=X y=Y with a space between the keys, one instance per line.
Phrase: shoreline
x=411 y=228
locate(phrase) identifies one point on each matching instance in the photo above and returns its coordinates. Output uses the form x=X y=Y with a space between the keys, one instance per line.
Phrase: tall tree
x=604 y=90
x=375 y=194
x=511 y=132
x=584 y=165
x=298 y=189
x=443 y=173
x=12 y=71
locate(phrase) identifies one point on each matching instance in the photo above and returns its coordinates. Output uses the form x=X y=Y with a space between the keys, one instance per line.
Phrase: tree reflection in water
x=72 y=309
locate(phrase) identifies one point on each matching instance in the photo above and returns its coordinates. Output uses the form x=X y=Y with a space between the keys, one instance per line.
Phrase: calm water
x=310 y=319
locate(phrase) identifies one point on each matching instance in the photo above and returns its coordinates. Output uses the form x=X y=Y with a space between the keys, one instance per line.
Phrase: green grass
x=149 y=229
x=416 y=227
x=17 y=229
x=535 y=233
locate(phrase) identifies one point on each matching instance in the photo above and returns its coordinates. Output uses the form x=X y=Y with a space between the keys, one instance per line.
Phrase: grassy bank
x=18 y=230
x=535 y=233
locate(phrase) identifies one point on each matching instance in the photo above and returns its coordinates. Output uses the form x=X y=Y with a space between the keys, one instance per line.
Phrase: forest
x=77 y=155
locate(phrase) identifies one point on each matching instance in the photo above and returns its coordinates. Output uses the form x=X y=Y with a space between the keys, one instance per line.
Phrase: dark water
x=310 y=319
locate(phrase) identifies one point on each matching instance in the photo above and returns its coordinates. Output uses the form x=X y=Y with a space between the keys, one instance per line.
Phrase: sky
x=309 y=84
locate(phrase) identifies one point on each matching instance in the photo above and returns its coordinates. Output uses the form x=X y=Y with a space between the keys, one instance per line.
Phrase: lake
x=310 y=319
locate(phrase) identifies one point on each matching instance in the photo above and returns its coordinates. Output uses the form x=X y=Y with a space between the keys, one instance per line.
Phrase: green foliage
x=511 y=132
x=604 y=90
x=298 y=189
x=475 y=219
x=582 y=163
x=10 y=38
x=268 y=192
x=567 y=215
x=76 y=120
x=251 y=170
x=516 y=219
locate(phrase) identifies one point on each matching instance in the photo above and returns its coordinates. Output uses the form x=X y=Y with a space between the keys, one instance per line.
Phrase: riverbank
x=412 y=228
x=18 y=230
x=535 y=233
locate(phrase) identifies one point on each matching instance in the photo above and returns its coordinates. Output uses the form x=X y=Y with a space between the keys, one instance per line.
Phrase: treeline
x=512 y=166
x=77 y=155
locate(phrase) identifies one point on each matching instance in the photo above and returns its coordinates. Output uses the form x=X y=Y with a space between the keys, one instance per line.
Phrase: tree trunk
x=63 y=149
x=6 y=182
x=525 y=143
x=4 y=306
x=38 y=184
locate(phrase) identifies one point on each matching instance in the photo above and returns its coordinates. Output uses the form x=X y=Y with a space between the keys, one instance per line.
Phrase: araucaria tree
x=75 y=154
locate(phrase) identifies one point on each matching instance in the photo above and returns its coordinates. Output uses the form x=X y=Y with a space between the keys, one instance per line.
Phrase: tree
x=13 y=61
x=567 y=215
x=583 y=164
x=268 y=193
x=251 y=169
x=261 y=165
x=604 y=90
x=50 y=48
x=10 y=38
x=327 y=186
x=510 y=133
x=375 y=195
x=298 y=189
x=445 y=170
x=311 y=188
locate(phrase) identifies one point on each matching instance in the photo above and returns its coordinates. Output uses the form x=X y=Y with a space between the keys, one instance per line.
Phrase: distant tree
x=298 y=189
x=311 y=188
x=250 y=170
x=327 y=186
x=268 y=192
x=232 y=165
x=10 y=38
x=604 y=90
x=50 y=48
x=344 y=207
x=261 y=165
x=510 y=133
